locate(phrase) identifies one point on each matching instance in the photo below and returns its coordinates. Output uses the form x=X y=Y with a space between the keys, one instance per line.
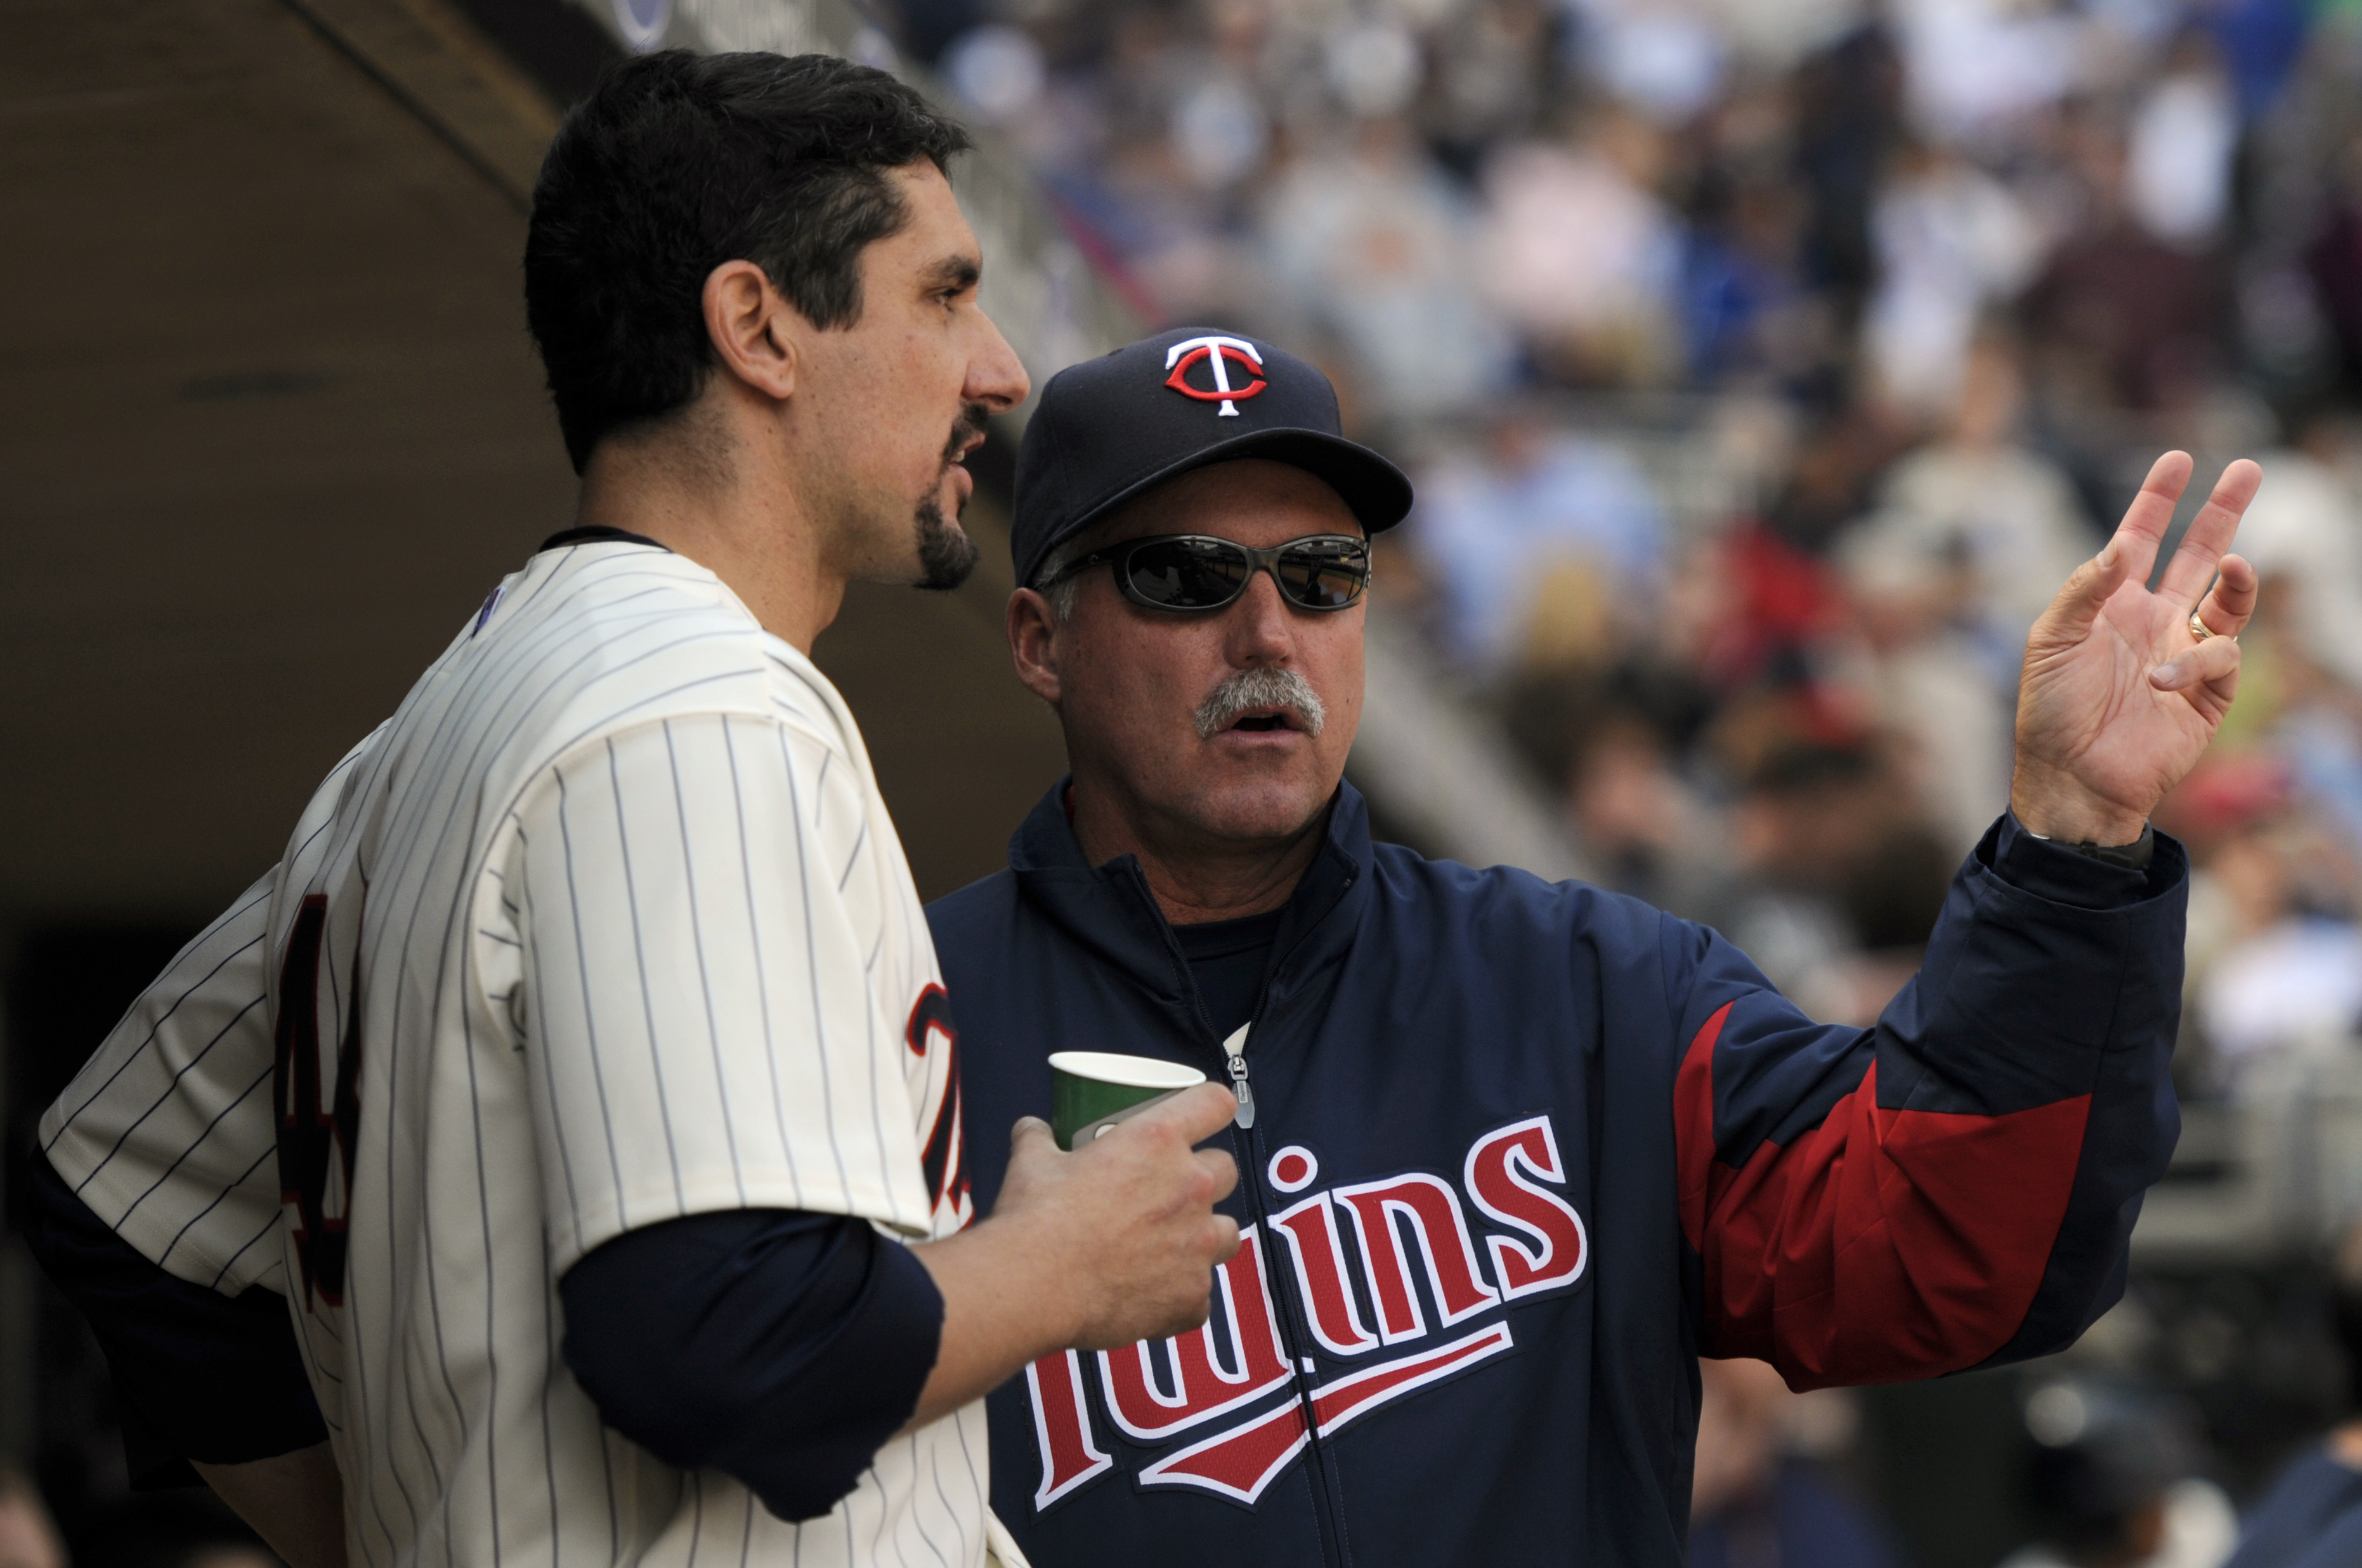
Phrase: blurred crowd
x=1765 y=369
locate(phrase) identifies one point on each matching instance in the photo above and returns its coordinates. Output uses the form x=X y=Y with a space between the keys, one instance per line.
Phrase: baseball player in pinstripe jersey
x=515 y=1173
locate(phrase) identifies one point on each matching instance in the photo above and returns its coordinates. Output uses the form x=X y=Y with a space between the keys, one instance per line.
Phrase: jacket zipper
x=1283 y=1281
x=1235 y=1047
x=1233 y=1050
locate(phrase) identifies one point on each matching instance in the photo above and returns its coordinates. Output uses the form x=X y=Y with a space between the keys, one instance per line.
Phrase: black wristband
x=2087 y=876
x=2133 y=857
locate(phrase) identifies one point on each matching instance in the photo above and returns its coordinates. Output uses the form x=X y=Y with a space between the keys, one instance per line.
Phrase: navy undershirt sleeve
x=779 y=1347
x=197 y=1374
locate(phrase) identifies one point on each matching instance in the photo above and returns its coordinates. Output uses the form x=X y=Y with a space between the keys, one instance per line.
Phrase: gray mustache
x=1263 y=687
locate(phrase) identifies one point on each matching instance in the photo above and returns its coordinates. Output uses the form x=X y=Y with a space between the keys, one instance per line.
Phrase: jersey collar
x=598 y=534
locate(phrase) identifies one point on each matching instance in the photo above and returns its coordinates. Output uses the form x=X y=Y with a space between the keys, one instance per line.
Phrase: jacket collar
x=1109 y=910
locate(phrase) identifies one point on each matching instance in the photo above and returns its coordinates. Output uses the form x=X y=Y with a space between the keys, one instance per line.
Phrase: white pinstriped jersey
x=605 y=926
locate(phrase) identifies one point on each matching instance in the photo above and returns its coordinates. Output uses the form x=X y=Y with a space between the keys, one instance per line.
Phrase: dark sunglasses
x=1196 y=571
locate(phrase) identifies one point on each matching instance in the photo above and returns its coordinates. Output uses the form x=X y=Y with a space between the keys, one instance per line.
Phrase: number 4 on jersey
x=315 y=1136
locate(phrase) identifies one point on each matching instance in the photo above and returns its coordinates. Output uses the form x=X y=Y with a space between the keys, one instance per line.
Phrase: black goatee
x=946 y=554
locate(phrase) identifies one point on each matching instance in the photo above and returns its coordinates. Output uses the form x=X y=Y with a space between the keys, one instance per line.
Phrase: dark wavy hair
x=677 y=162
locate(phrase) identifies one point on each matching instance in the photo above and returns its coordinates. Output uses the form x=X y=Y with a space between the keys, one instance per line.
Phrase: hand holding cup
x=1127 y=1222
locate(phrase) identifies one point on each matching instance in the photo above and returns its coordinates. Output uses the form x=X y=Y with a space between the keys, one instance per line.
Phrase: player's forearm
x=1006 y=1305
x=294 y=1501
x=1096 y=1249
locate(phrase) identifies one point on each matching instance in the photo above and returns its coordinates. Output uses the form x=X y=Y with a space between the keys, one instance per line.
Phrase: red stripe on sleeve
x=1883 y=1244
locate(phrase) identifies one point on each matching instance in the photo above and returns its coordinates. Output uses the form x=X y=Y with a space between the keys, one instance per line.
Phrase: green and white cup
x=1090 y=1091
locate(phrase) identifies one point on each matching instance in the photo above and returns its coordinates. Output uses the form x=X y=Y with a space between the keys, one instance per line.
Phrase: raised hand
x=2119 y=696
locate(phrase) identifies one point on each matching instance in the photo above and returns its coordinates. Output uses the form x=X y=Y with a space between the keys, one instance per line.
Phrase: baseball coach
x=1513 y=1154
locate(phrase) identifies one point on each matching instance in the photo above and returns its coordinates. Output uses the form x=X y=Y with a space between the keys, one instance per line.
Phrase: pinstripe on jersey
x=606 y=925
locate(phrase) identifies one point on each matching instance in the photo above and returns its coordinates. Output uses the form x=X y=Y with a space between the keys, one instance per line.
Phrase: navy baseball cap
x=1110 y=428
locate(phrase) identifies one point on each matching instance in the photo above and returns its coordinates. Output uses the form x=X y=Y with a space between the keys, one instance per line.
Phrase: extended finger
x=2226 y=609
x=2150 y=514
x=2202 y=548
x=2212 y=660
x=2069 y=620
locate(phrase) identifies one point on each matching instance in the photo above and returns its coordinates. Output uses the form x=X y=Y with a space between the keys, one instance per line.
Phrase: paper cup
x=1090 y=1091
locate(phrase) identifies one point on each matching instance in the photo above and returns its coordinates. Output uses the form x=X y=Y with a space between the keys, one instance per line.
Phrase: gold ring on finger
x=2198 y=628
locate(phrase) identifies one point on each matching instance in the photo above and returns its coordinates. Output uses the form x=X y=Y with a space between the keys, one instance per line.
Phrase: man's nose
x=996 y=377
x=1261 y=627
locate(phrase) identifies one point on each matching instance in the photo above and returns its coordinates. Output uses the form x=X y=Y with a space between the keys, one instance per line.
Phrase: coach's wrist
x=2051 y=802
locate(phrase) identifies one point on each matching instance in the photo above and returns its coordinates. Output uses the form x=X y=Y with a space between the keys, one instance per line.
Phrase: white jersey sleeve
x=170 y=1134
x=166 y=1132
x=667 y=921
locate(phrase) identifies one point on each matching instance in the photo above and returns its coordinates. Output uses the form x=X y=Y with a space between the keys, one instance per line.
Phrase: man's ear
x=752 y=328
x=1033 y=643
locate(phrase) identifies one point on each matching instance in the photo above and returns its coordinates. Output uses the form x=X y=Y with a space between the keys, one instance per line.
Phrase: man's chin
x=946 y=554
x=1265 y=811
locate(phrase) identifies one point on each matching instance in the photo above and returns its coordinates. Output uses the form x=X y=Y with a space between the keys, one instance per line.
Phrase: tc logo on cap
x=1216 y=353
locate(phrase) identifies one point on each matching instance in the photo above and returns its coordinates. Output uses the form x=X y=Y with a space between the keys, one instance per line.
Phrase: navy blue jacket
x=1522 y=1151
